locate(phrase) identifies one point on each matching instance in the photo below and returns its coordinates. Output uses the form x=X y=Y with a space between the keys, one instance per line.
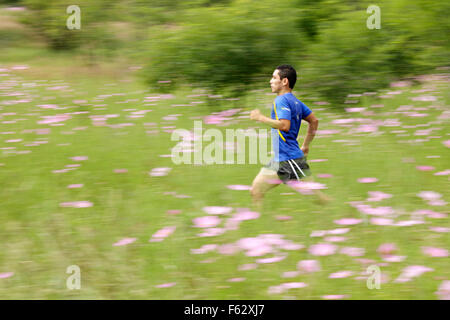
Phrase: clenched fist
x=305 y=150
x=255 y=115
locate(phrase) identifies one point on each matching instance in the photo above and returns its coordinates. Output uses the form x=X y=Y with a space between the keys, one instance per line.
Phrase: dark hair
x=288 y=71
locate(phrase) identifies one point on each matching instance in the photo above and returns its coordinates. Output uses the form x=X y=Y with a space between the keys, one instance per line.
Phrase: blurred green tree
x=223 y=48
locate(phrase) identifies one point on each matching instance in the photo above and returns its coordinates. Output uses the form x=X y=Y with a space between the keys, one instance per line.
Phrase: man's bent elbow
x=284 y=126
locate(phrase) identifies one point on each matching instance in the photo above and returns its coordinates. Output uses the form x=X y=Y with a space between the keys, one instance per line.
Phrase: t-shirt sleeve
x=283 y=110
x=305 y=111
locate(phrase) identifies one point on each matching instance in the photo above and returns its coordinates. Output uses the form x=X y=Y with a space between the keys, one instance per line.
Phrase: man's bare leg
x=263 y=182
x=322 y=197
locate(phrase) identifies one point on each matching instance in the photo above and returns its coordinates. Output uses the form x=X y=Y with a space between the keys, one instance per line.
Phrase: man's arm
x=313 y=124
x=282 y=124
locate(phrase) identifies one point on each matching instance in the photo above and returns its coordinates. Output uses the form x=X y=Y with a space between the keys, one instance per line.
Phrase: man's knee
x=256 y=193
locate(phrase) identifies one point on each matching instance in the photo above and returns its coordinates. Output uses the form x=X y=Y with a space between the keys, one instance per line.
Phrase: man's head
x=283 y=78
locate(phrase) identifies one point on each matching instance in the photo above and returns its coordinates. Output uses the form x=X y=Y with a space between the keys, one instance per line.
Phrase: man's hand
x=305 y=150
x=313 y=124
x=282 y=124
x=255 y=115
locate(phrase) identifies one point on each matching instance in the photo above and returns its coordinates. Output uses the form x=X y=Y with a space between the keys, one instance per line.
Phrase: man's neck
x=284 y=91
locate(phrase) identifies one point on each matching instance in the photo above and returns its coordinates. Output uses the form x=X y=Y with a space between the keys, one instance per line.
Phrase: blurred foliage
x=11 y=2
x=327 y=40
x=315 y=14
x=350 y=58
x=226 y=46
x=49 y=19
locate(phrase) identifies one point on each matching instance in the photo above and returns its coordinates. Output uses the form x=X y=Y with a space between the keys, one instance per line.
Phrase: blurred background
x=86 y=117
x=230 y=45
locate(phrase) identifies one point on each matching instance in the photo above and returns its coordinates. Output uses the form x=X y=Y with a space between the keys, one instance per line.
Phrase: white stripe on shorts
x=299 y=168
x=289 y=161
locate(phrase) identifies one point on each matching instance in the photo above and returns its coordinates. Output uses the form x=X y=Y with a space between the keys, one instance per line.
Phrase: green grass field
x=400 y=136
x=41 y=237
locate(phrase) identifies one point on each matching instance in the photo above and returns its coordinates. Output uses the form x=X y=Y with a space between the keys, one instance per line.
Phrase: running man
x=289 y=162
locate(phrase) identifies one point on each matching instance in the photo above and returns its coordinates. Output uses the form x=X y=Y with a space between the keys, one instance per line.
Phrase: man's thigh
x=265 y=180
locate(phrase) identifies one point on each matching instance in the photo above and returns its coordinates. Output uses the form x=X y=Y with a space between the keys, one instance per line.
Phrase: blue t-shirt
x=287 y=106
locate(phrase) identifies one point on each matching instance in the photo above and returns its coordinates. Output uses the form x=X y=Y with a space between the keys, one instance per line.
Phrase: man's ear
x=285 y=82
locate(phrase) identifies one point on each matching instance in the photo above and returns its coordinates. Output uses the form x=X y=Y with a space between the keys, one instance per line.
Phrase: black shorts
x=294 y=169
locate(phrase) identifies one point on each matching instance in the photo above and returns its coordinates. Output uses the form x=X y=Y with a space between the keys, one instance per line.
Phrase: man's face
x=276 y=83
